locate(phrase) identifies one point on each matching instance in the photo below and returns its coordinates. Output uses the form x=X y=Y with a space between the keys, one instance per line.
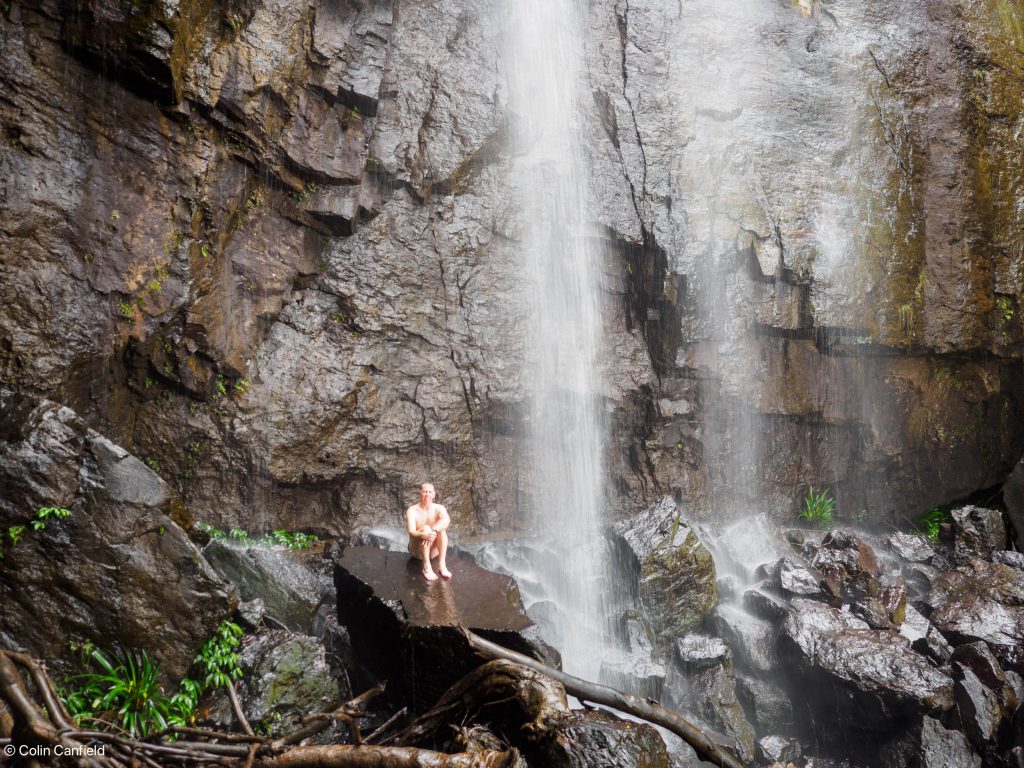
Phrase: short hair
x=424 y=485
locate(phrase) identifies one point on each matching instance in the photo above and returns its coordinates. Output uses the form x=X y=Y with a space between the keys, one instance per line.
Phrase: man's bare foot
x=429 y=575
x=444 y=572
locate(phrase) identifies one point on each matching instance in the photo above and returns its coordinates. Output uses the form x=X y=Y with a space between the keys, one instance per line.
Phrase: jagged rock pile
x=897 y=652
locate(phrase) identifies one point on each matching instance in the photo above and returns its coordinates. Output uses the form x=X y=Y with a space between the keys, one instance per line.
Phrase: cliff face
x=271 y=248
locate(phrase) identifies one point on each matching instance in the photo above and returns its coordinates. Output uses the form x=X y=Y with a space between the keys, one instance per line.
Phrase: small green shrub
x=123 y=689
x=277 y=538
x=217 y=661
x=818 y=508
x=929 y=523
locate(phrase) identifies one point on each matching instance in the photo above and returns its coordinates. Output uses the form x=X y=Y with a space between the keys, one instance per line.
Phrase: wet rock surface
x=600 y=740
x=286 y=677
x=982 y=601
x=674 y=572
x=882 y=676
x=289 y=584
x=406 y=629
x=106 y=572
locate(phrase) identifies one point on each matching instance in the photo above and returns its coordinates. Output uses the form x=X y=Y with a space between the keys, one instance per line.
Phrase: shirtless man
x=427 y=524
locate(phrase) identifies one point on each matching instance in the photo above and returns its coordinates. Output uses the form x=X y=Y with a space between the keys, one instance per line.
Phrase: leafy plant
x=16 y=533
x=277 y=538
x=818 y=508
x=125 y=688
x=218 y=658
x=929 y=524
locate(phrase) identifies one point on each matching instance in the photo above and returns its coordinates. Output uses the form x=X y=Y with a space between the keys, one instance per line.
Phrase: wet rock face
x=272 y=245
x=982 y=601
x=290 y=585
x=879 y=673
x=599 y=740
x=977 y=532
x=285 y=678
x=674 y=572
x=102 y=574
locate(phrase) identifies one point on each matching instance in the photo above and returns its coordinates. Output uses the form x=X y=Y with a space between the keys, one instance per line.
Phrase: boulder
x=978 y=707
x=673 y=571
x=977 y=532
x=407 y=630
x=710 y=695
x=286 y=677
x=119 y=569
x=598 y=739
x=1012 y=559
x=778 y=749
x=909 y=547
x=874 y=673
x=765 y=702
x=982 y=601
x=797 y=578
x=291 y=583
x=764 y=605
x=928 y=745
x=925 y=638
x=847 y=561
x=631 y=668
x=751 y=639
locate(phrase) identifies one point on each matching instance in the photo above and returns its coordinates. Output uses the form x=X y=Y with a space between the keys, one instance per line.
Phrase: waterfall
x=561 y=263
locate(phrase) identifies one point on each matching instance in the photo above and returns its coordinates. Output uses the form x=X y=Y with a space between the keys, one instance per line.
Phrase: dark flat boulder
x=406 y=629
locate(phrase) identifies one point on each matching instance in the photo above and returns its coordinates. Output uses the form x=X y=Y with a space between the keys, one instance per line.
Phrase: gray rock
x=778 y=749
x=764 y=605
x=696 y=652
x=251 y=613
x=979 y=659
x=285 y=678
x=291 y=584
x=632 y=669
x=929 y=745
x=977 y=532
x=982 y=601
x=876 y=668
x=977 y=706
x=1012 y=559
x=752 y=640
x=597 y=738
x=103 y=573
x=848 y=564
x=911 y=548
x=925 y=638
x=797 y=578
x=701 y=683
x=675 y=572
x=767 y=704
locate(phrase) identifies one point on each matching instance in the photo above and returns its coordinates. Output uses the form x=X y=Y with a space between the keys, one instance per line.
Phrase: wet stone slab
x=407 y=630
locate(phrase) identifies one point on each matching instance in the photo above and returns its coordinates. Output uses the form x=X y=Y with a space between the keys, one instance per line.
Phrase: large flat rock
x=407 y=630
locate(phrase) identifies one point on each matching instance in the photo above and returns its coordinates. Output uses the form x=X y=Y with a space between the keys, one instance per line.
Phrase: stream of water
x=560 y=269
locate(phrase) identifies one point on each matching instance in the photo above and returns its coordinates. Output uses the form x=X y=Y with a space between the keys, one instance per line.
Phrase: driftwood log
x=705 y=747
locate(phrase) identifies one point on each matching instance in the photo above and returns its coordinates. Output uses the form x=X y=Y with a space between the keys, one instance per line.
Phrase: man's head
x=427 y=494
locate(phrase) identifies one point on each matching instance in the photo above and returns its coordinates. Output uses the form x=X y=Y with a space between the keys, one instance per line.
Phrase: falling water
x=560 y=275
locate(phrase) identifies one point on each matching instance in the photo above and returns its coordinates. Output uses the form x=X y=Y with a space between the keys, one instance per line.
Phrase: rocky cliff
x=269 y=246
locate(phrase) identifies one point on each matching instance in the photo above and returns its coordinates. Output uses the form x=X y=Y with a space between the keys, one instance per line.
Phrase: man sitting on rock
x=427 y=524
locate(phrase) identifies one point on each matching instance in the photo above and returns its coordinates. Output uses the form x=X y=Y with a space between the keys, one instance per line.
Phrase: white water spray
x=561 y=264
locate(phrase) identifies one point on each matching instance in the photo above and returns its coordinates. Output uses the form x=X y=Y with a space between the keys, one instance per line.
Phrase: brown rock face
x=271 y=247
x=119 y=569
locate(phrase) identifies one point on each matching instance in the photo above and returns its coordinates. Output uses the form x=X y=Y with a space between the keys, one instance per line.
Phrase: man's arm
x=443 y=521
x=416 y=532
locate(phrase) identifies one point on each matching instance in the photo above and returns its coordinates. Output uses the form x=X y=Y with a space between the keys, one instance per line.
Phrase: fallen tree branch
x=703 y=745
x=349 y=756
